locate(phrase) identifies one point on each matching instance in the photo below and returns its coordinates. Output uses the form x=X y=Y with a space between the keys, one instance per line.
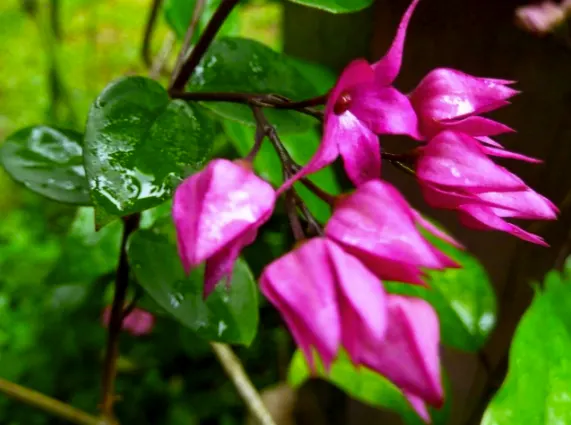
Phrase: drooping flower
x=450 y=99
x=409 y=354
x=327 y=298
x=378 y=226
x=455 y=172
x=138 y=322
x=216 y=213
x=362 y=105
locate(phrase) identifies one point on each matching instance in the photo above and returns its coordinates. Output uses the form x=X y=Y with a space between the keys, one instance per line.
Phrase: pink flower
x=450 y=99
x=455 y=172
x=542 y=18
x=216 y=213
x=409 y=354
x=327 y=298
x=361 y=105
x=378 y=226
x=137 y=323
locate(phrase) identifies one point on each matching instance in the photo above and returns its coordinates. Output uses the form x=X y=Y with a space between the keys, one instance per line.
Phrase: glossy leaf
x=336 y=6
x=536 y=390
x=364 y=385
x=178 y=14
x=139 y=145
x=321 y=77
x=301 y=147
x=48 y=161
x=86 y=254
x=228 y=315
x=463 y=298
x=242 y=65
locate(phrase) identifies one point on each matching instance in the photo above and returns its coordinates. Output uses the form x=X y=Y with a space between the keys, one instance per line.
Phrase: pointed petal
x=359 y=148
x=476 y=126
x=302 y=286
x=487 y=141
x=409 y=355
x=439 y=233
x=362 y=302
x=419 y=406
x=484 y=218
x=456 y=160
x=377 y=220
x=502 y=153
x=388 y=67
x=526 y=204
x=448 y=94
x=384 y=110
x=216 y=206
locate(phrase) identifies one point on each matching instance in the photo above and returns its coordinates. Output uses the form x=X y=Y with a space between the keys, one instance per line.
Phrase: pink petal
x=484 y=218
x=447 y=94
x=362 y=302
x=502 y=153
x=139 y=322
x=419 y=407
x=216 y=206
x=409 y=355
x=526 y=204
x=476 y=126
x=359 y=148
x=384 y=110
x=388 y=67
x=487 y=141
x=457 y=161
x=302 y=286
x=377 y=220
x=431 y=228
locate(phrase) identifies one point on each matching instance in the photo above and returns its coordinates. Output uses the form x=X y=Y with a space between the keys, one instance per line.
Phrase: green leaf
x=86 y=254
x=301 y=146
x=178 y=14
x=321 y=77
x=242 y=65
x=336 y=6
x=48 y=161
x=139 y=145
x=536 y=390
x=227 y=315
x=463 y=298
x=364 y=385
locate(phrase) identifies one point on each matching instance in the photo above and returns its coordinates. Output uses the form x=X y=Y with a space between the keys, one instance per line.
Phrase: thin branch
x=149 y=30
x=311 y=220
x=291 y=210
x=320 y=193
x=195 y=18
x=162 y=57
x=48 y=404
x=131 y=223
x=246 y=389
x=315 y=101
x=187 y=68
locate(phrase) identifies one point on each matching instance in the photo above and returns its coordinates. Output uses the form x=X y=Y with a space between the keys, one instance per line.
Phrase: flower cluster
x=329 y=289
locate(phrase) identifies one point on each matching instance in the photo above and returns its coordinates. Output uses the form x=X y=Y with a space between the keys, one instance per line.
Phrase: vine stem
x=148 y=34
x=187 y=68
x=48 y=404
x=131 y=223
x=235 y=371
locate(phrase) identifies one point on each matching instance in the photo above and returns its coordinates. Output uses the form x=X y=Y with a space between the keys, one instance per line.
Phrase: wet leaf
x=242 y=65
x=336 y=6
x=227 y=315
x=463 y=298
x=139 y=145
x=48 y=161
x=536 y=390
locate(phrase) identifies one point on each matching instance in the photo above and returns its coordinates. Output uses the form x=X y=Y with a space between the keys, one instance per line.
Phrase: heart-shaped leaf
x=463 y=298
x=242 y=65
x=139 y=144
x=364 y=385
x=301 y=146
x=48 y=161
x=536 y=390
x=227 y=315
x=336 y=6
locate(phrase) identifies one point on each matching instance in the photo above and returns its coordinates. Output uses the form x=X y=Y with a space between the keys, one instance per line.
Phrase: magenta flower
x=361 y=105
x=216 y=213
x=378 y=226
x=328 y=299
x=137 y=323
x=455 y=172
x=450 y=99
x=409 y=354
